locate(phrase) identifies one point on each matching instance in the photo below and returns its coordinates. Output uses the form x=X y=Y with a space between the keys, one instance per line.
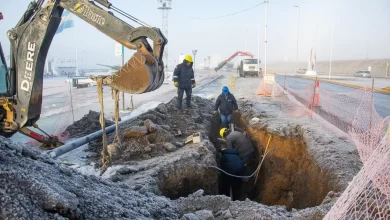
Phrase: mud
x=88 y=124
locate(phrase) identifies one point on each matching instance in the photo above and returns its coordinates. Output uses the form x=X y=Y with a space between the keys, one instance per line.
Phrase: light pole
x=194 y=52
x=299 y=14
x=246 y=32
x=331 y=53
x=265 y=38
x=209 y=60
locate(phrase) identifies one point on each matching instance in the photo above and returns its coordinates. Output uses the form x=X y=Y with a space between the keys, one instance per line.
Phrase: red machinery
x=238 y=53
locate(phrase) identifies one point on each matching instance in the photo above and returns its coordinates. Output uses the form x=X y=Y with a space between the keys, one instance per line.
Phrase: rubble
x=135 y=131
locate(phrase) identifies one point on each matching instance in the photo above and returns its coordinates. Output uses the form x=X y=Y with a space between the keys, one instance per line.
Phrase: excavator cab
x=3 y=73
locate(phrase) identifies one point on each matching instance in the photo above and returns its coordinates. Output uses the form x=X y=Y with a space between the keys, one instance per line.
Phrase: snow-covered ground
x=57 y=104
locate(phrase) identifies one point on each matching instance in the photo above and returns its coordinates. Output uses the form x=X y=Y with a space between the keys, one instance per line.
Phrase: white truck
x=249 y=67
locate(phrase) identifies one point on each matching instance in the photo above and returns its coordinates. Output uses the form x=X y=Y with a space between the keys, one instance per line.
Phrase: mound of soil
x=136 y=144
x=88 y=124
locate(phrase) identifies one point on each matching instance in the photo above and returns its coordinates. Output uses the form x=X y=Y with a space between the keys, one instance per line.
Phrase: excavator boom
x=20 y=105
x=239 y=53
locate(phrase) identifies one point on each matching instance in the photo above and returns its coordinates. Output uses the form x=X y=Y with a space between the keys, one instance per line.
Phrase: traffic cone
x=317 y=94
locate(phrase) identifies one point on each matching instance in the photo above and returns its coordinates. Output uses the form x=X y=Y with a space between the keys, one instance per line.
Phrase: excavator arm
x=239 y=53
x=20 y=105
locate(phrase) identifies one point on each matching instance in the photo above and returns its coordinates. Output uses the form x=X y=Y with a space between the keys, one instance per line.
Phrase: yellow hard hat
x=222 y=131
x=188 y=58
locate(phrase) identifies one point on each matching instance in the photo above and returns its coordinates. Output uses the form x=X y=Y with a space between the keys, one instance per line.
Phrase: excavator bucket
x=144 y=72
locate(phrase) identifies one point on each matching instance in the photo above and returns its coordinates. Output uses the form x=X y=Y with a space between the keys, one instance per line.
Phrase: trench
x=288 y=176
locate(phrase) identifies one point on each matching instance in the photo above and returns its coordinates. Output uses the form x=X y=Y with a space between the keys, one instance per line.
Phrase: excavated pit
x=288 y=175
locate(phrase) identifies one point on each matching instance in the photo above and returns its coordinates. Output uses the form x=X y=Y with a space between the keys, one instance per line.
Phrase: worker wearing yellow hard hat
x=236 y=139
x=184 y=80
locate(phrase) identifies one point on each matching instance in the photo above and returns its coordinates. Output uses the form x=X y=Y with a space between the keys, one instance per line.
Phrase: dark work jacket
x=231 y=162
x=226 y=106
x=239 y=141
x=184 y=75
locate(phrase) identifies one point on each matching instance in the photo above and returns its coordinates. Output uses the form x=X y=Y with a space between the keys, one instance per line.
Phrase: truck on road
x=249 y=67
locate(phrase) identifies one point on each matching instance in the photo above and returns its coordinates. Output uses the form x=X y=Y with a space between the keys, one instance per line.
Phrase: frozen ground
x=60 y=192
x=57 y=105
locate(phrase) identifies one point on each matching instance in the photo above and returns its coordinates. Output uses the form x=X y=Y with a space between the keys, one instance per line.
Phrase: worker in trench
x=184 y=80
x=244 y=146
x=226 y=103
x=231 y=163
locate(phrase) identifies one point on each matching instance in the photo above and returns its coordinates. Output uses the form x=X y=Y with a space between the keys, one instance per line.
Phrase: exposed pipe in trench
x=86 y=139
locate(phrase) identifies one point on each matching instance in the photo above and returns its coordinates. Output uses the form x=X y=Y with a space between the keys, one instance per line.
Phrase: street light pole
x=246 y=32
x=299 y=15
x=296 y=57
x=265 y=37
x=194 y=52
x=331 y=53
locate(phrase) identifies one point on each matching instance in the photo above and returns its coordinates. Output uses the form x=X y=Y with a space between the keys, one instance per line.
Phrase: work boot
x=180 y=110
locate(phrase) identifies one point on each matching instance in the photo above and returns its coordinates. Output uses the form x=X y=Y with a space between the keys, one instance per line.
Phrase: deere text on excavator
x=21 y=83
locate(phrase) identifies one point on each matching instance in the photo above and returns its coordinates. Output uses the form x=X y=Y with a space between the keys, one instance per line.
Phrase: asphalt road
x=381 y=101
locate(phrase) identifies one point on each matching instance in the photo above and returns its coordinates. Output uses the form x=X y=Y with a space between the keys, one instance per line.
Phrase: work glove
x=235 y=111
x=193 y=85
x=176 y=84
x=215 y=112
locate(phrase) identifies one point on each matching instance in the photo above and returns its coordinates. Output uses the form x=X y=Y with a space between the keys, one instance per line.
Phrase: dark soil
x=86 y=125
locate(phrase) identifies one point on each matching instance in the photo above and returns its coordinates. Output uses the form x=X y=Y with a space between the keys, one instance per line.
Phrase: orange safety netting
x=368 y=194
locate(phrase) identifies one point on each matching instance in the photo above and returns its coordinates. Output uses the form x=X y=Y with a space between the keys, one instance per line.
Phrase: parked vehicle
x=363 y=73
x=301 y=71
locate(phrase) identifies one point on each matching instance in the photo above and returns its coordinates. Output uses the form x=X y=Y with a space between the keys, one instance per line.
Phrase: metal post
x=284 y=85
x=372 y=106
x=246 y=31
x=331 y=53
x=299 y=15
x=258 y=51
x=314 y=95
x=265 y=39
x=123 y=63
x=387 y=70
x=194 y=52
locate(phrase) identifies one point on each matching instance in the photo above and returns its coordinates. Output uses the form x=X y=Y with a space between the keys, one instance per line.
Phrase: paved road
x=382 y=101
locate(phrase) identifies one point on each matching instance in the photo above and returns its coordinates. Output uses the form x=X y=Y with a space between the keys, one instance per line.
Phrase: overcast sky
x=358 y=25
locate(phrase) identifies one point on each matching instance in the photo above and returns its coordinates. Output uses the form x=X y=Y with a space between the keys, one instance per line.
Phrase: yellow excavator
x=21 y=83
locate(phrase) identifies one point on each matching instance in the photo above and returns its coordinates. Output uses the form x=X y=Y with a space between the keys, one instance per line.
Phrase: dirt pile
x=33 y=186
x=152 y=155
x=158 y=131
x=88 y=124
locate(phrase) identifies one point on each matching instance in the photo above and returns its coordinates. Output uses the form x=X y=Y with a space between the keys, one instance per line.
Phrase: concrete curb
x=383 y=91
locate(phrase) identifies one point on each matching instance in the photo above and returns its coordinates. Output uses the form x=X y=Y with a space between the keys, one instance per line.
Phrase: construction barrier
x=368 y=194
x=268 y=86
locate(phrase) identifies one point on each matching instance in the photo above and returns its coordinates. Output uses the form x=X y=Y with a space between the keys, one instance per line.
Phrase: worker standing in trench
x=226 y=103
x=234 y=159
x=231 y=163
x=184 y=80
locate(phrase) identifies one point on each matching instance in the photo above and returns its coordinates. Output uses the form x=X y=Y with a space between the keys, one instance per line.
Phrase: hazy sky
x=358 y=25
